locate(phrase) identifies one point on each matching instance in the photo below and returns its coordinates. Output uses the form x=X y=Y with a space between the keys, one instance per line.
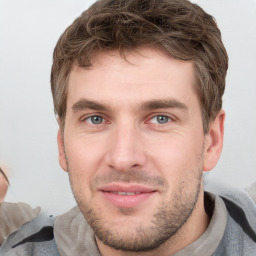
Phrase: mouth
x=124 y=193
x=126 y=196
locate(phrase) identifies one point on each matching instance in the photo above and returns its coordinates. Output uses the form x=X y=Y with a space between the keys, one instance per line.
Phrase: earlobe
x=62 y=157
x=214 y=142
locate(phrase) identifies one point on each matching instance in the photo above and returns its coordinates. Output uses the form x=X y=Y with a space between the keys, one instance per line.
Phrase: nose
x=126 y=150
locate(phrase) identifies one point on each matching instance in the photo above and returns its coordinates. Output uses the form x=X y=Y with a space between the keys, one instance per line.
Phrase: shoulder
x=33 y=238
x=10 y=210
x=241 y=221
x=236 y=200
x=13 y=216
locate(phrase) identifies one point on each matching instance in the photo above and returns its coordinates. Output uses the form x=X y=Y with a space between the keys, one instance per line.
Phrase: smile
x=125 y=193
x=126 y=196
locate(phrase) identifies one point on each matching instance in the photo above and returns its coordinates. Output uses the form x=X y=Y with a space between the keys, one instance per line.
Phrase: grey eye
x=95 y=119
x=160 y=119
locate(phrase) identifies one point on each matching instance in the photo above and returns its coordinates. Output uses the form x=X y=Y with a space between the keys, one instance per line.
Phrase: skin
x=135 y=125
x=3 y=187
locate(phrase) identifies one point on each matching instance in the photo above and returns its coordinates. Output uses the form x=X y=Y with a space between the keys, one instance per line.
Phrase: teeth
x=126 y=193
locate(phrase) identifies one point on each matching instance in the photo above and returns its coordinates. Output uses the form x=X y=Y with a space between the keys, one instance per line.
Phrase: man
x=137 y=87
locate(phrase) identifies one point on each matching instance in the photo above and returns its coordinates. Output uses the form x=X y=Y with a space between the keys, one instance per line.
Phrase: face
x=134 y=146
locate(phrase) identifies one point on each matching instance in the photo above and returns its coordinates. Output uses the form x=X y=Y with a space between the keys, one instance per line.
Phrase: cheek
x=83 y=157
x=179 y=145
x=177 y=155
x=80 y=168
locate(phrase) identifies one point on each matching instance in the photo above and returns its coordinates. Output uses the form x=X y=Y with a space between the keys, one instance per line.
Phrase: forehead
x=139 y=75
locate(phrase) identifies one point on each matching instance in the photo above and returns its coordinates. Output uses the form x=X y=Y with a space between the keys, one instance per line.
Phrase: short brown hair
x=177 y=27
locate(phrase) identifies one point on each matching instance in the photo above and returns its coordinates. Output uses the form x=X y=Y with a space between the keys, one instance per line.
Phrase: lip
x=109 y=193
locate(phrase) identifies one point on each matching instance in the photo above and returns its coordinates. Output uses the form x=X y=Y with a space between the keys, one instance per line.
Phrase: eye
x=160 y=119
x=95 y=120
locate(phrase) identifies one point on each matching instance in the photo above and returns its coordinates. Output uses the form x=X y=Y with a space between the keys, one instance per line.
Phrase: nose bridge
x=126 y=150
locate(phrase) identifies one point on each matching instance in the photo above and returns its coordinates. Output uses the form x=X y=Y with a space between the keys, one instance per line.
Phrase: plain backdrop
x=29 y=30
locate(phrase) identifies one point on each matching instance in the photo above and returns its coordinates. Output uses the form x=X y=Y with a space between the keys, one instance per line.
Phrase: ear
x=62 y=157
x=214 y=142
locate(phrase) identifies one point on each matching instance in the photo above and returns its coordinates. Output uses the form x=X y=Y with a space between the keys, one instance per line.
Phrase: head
x=4 y=183
x=137 y=88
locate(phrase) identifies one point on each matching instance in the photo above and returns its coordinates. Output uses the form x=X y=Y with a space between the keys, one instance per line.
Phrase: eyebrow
x=88 y=104
x=163 y=103
x=146 y=106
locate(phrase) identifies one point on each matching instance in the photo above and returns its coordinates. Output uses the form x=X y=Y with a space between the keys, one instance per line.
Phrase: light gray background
x=29 y=30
